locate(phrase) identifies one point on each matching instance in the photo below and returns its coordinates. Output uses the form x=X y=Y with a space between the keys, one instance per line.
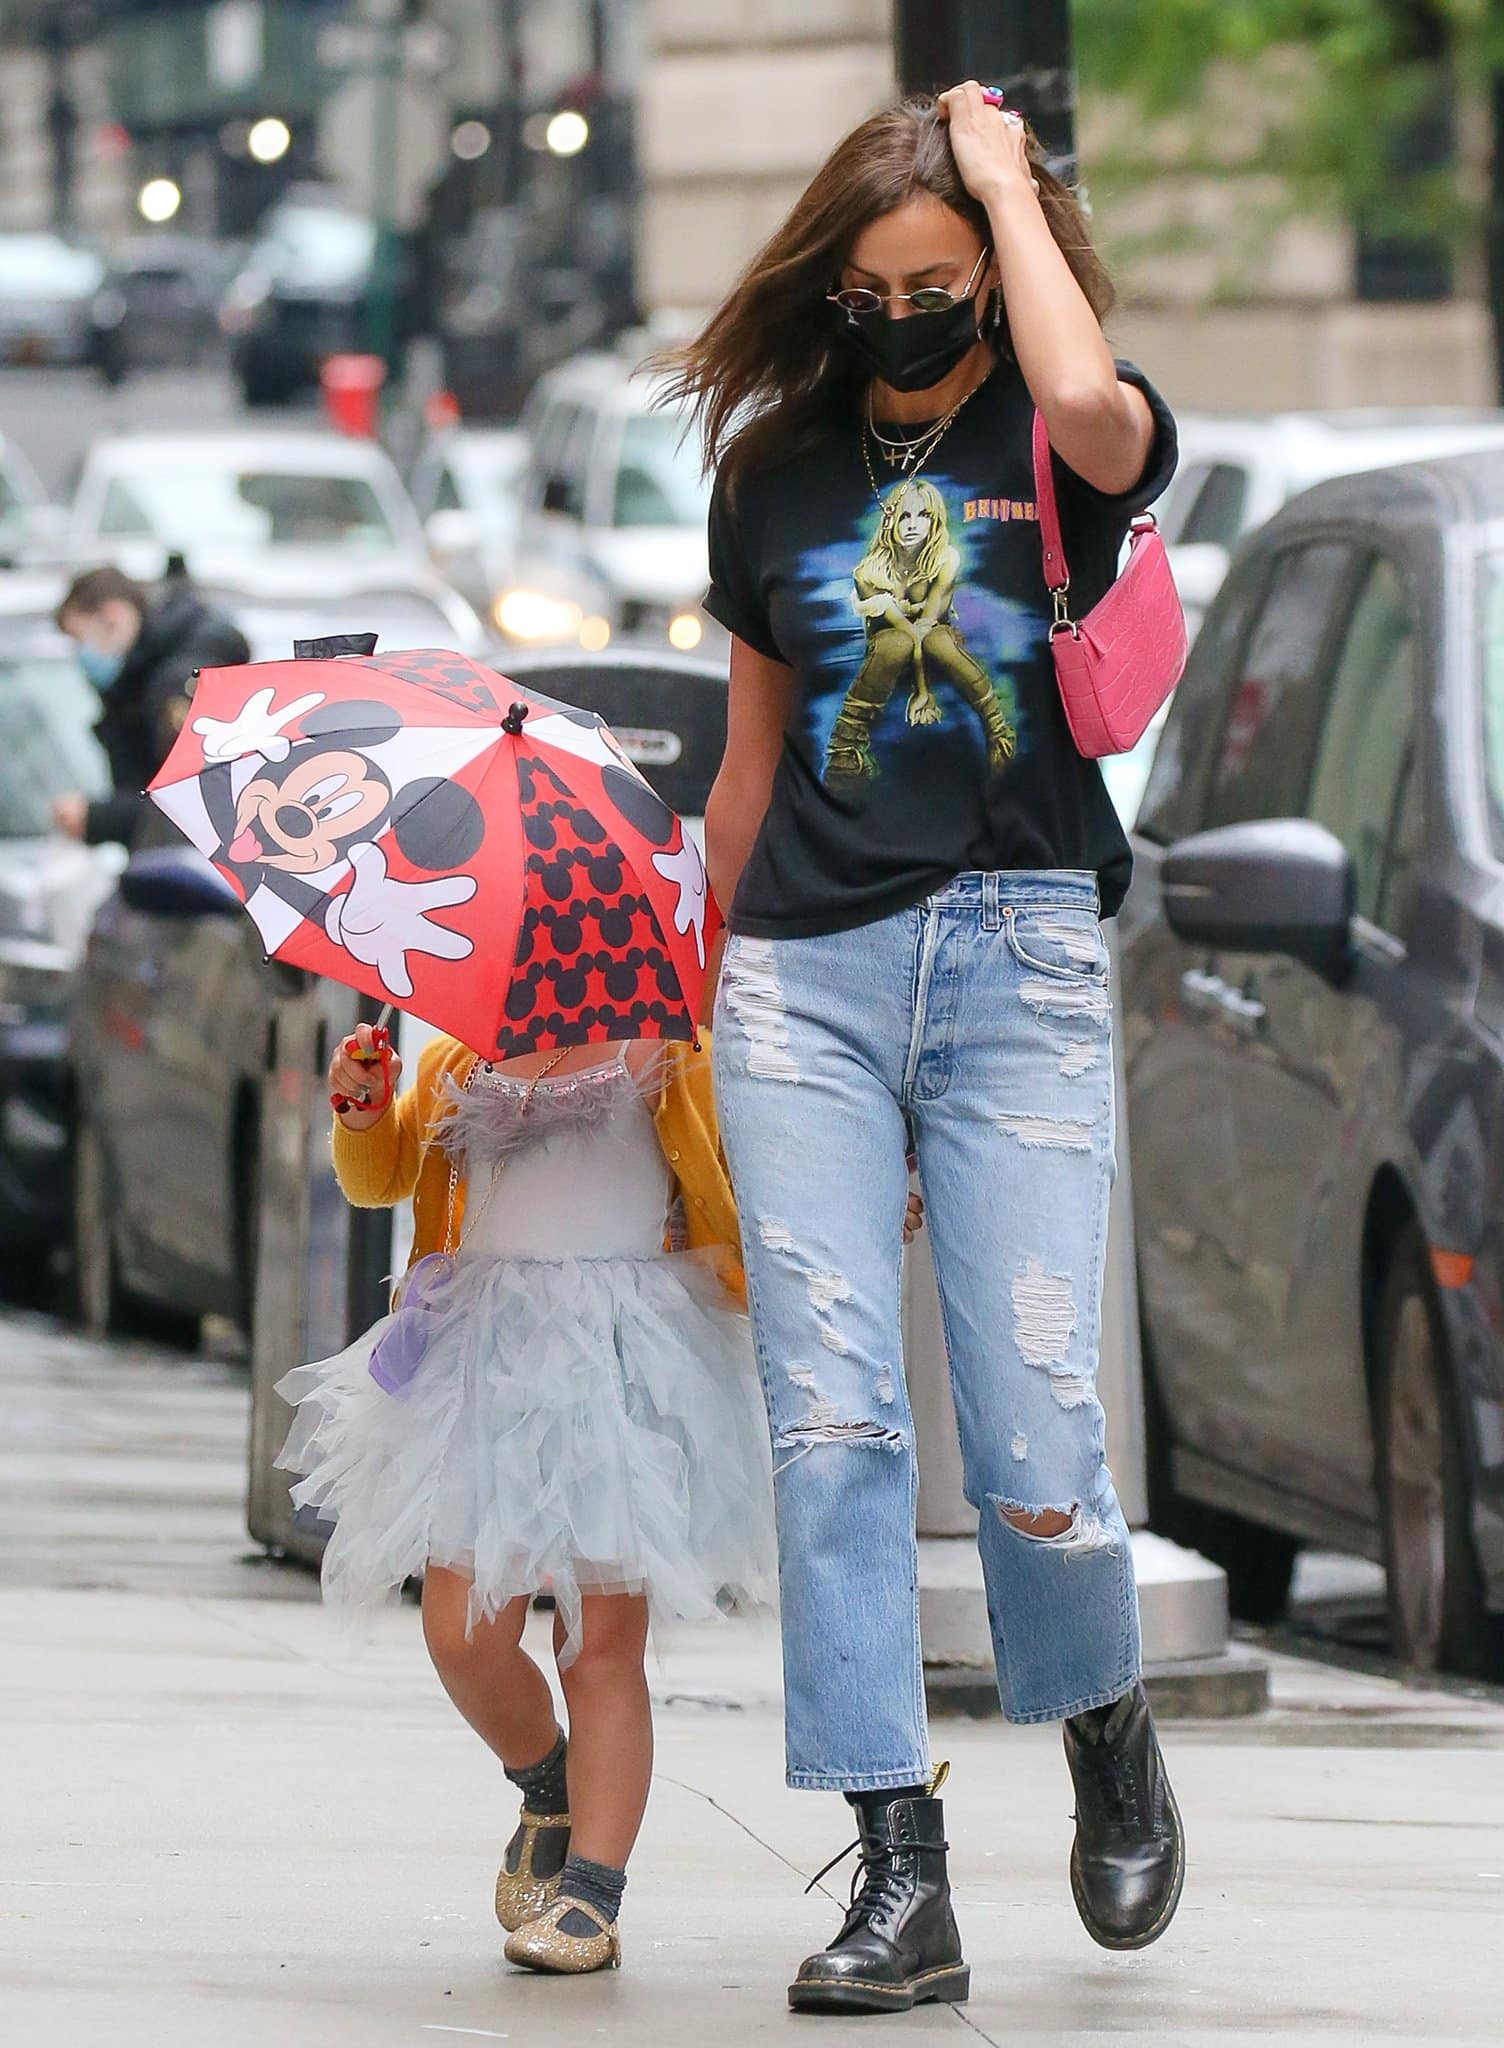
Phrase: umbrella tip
x=512 y=723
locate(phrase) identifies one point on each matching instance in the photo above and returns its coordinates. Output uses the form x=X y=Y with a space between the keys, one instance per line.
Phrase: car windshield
x=309 y=246
x=190 y=506
x=658 y=482
x=47 y=743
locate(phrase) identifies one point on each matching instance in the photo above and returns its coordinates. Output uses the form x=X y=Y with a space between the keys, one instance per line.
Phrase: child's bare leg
x=610 y=1727
x=489 y=1676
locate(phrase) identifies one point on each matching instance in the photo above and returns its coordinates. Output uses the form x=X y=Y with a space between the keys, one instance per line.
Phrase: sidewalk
x=224 y=1828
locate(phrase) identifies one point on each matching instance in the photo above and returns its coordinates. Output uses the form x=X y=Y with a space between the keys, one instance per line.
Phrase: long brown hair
x=769 y=370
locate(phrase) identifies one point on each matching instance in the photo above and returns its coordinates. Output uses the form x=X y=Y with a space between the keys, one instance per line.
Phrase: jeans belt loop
x=992 y=890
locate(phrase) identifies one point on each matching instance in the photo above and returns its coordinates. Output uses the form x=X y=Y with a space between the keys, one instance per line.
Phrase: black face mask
x=913 y=354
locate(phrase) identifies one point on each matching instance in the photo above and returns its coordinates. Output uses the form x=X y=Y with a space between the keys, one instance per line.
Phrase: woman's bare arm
x=759 y=699
x=1102 y=428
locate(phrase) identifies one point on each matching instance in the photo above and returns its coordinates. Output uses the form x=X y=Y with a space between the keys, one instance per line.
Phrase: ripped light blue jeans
x=978 y=1028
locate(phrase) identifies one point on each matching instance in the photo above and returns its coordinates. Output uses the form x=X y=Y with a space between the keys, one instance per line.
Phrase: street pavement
x=225 y=1824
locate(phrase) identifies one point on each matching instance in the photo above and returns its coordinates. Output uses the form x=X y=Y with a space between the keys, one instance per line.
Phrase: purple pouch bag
x=399 y=1350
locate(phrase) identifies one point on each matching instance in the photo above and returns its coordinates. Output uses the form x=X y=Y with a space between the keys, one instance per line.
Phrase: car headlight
x=685 y=631
x=535 y=617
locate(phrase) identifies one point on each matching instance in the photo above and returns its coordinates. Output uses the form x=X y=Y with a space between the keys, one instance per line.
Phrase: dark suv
x=1313 y=976
x=305 y=293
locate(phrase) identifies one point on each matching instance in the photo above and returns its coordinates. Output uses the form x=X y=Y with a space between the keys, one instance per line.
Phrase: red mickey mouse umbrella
x=422 y=829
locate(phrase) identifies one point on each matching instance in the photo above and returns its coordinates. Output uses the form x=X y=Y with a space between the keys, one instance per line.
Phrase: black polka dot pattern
x=591 y=960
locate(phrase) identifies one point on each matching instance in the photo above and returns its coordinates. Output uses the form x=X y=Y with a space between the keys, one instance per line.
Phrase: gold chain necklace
x=906 y=449
x=912 y=460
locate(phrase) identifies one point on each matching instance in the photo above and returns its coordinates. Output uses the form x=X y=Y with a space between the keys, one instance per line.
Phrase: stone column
x=737 y=106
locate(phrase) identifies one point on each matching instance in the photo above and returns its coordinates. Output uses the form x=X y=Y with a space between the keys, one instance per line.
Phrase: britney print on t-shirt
x=903 y=589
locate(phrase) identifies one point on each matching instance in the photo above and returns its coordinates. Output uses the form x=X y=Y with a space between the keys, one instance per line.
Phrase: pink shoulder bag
x=1116 y=666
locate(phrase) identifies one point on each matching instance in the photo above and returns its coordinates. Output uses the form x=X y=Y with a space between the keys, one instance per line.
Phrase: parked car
x=612 y=531
x=175 y=1005
x=304 y=294
x=49 y=890
x=1236 y=472
x=47 y=290
x=1313 y=1027
x=416 y=616
x=292 y=511
x=466 y=485
x=158 y=304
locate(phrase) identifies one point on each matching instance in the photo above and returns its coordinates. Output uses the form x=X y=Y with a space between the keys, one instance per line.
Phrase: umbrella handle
x=380 y=1055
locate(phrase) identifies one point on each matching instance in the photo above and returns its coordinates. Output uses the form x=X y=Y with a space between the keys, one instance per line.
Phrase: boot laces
x=1113 y=1789
x=876 y=1878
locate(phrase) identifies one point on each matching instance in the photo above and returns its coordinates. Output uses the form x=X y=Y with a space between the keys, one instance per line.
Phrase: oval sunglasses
x=930 y=298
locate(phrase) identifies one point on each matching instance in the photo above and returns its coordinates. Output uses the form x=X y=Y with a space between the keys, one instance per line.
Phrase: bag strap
x=1057 y=573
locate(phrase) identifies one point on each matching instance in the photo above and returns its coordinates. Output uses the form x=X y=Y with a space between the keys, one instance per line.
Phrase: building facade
x=739 y=104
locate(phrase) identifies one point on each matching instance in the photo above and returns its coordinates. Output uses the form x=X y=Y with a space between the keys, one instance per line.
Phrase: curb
x=1226 y=1687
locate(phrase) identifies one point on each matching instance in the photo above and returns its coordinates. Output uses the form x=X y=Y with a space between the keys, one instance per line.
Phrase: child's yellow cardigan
x=398 y=1156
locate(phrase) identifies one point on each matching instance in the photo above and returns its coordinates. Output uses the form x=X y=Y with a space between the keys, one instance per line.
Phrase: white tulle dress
x=583 y=1414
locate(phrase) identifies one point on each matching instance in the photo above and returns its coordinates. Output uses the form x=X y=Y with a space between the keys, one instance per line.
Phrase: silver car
x=286 y=513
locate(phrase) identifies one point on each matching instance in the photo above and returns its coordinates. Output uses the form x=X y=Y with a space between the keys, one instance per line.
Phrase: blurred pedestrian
x=917 y=859
x=141 y=653
x=558 y=1402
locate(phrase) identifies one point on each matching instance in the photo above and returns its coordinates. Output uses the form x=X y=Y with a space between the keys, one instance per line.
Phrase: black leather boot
x=1128 y=1862
x=898 y=1945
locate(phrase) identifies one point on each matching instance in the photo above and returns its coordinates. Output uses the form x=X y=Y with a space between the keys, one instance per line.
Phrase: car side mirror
x=556 y=494
x=175 y=881
x=1277 y=885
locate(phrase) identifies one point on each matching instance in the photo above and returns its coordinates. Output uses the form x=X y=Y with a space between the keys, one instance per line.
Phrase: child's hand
x=363 y=1079
x=913 y=1218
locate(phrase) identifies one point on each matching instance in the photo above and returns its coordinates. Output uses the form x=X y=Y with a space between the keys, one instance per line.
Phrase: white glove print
x=687 y=871
x=380 y=921
x=255 y=728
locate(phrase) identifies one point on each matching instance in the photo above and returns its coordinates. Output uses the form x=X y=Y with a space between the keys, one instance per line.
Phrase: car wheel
x=1259 y=1562
x=98 y=1298
x=1437 y=1618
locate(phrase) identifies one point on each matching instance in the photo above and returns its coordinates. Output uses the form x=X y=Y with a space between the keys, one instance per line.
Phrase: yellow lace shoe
x=528 y=1880
x=542 y=1944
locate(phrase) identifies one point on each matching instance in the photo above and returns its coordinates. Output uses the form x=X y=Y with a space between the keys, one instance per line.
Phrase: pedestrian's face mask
x=99 y=664
x=915 y=352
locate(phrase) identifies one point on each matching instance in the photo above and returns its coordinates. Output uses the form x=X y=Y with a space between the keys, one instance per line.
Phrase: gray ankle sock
x=594 y=1884
x=542 y=1785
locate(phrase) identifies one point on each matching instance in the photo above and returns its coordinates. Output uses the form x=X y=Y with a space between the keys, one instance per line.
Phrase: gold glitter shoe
x=528 y=1880
x=543 y=1945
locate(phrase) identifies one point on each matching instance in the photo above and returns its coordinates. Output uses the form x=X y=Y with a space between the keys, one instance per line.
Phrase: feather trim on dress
x=498 y=1114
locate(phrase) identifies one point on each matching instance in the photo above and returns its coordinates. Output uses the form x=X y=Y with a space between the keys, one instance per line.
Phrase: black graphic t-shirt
x=927 y=735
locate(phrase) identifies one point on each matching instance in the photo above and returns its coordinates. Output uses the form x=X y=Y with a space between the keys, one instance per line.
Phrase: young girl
x=557 y=1402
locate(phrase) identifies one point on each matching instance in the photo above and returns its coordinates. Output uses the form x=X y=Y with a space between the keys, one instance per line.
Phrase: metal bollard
x=320 y=1276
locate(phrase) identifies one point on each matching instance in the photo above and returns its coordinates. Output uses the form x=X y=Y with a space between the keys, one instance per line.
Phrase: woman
x=915 y=959
x=903 y=590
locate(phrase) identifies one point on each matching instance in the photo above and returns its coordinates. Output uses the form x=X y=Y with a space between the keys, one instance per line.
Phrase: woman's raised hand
x=990 y=143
